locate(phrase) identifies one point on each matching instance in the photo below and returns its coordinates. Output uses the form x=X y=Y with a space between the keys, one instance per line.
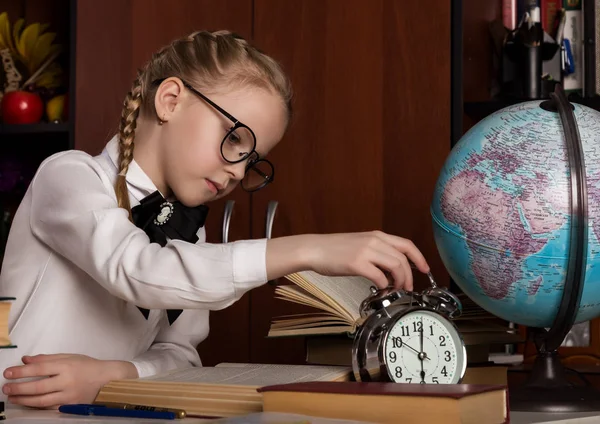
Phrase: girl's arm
x=74 y=211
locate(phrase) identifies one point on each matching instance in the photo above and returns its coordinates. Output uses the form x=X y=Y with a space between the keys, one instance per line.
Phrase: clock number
x=444 y=371
x=435 y=380
x=409 y=379
x=393 y=357
x=431 y=330
x=442 y=341
x=447 y=358
x=398 y=372
x=397 y=341
x=405 y=332
x=417 y=326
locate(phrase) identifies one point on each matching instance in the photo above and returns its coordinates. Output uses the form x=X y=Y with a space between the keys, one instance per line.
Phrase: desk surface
x=27 y=416
x=52 y=417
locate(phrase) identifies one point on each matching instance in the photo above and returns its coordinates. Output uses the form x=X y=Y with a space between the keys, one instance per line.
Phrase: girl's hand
x=374 y=255
x=62 y=379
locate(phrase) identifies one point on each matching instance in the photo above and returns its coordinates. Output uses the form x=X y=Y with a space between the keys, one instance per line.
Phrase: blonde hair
x=206 y=60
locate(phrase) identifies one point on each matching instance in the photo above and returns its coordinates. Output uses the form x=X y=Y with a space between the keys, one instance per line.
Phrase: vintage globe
x=501 y=214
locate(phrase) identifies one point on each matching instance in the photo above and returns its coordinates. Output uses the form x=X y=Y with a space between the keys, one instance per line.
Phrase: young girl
x=104 y=250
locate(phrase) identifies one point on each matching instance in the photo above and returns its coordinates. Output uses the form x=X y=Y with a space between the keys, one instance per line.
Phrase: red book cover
x=549 y=9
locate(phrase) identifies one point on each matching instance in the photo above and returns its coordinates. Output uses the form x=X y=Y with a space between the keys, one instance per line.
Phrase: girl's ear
x=168 y=96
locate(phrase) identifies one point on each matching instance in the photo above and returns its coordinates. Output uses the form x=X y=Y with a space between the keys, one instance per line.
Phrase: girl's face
x=190 y=157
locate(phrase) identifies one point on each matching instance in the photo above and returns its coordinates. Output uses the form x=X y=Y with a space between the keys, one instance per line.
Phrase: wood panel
x=370 y=133
x=328 y=167
x=53 y=12
x=14 y=8
x=157 y=22
x=416 y=121
x=103 y=63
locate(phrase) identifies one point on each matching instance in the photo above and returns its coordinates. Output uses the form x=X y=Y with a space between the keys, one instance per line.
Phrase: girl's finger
x=46 y=401
x=44 y=357
x=41 y=369
x=408 y=275
x=38 y=387
x=374 y=274
x=393 y=265
x=408 y=248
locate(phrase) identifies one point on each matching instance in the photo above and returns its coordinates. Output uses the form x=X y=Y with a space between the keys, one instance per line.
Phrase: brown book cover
x=380 y=402
x=455 y=391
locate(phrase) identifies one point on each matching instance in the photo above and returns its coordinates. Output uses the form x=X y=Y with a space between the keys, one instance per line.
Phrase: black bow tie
x=161 y=219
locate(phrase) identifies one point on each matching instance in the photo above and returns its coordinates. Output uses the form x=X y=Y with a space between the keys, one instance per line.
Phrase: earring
x=160 y=121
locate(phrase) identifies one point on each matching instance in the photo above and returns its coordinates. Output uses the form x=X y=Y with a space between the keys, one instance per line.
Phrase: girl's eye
x=233 y=138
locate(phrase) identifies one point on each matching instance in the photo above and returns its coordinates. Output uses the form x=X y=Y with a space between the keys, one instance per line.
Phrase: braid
x=131 y=110
x=207 y=60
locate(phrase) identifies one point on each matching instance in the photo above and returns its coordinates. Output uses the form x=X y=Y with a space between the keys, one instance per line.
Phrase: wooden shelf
x=39 y=128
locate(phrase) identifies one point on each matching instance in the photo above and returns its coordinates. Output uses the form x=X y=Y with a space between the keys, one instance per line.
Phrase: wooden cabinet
x=370 y=132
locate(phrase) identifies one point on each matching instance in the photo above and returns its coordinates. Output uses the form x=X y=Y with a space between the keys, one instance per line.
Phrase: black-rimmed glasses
x=238 y=145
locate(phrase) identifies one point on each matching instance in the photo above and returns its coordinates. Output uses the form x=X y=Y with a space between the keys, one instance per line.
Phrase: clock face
x=424 y=348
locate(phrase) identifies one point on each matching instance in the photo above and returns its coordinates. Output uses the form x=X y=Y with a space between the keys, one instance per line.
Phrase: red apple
x=22 y=107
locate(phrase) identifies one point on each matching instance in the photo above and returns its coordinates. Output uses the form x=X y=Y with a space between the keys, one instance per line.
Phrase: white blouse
x=79 y=268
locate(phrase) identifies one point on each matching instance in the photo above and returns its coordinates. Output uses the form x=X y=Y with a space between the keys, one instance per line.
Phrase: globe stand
x=547 y=388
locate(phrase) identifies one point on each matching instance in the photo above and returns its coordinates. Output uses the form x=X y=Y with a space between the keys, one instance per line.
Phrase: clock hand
x=421 y=335
x=422 y=354
x=415 y=350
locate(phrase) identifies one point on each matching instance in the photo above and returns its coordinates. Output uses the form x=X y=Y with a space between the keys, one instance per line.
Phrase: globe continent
x=501 y=213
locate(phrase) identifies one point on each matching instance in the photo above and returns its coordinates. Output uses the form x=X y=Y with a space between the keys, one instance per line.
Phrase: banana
x=28 y=39
x=42 y=49
x=17 y=29
x=4 y=40
x=33 y=47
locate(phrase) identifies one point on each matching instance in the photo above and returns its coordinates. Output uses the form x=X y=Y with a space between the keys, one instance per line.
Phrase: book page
x=298 y=295
x=254 y=374
x=348 y=292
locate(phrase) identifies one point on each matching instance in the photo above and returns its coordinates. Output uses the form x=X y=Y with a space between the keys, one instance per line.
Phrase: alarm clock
x=408 y=337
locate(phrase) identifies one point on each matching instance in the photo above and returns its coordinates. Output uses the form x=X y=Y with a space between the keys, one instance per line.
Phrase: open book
x=5 y=305
x=225 y=390
x=337 y=298
x=337 y=301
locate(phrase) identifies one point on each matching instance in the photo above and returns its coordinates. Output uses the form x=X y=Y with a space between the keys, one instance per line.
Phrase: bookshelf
x=24 y=146
x=39 y=128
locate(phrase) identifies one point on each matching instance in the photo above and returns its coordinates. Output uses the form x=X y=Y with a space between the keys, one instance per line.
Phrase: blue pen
x=100 y=410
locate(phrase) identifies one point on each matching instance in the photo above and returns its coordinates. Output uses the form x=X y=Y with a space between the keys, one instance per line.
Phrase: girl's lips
x=212 y=186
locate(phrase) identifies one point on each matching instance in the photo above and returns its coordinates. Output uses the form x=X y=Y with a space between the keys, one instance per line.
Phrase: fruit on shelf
x=34 y=51
x=56 y=108
x=21 y=107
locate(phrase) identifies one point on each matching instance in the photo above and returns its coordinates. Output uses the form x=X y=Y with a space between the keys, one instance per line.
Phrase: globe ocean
x=501 y=213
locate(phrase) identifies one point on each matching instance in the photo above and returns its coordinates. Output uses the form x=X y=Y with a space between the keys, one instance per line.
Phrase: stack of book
x=336 y=302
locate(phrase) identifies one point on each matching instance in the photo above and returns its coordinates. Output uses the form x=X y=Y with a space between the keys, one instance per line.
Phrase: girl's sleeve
x=175 y=345
x=76 y=215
